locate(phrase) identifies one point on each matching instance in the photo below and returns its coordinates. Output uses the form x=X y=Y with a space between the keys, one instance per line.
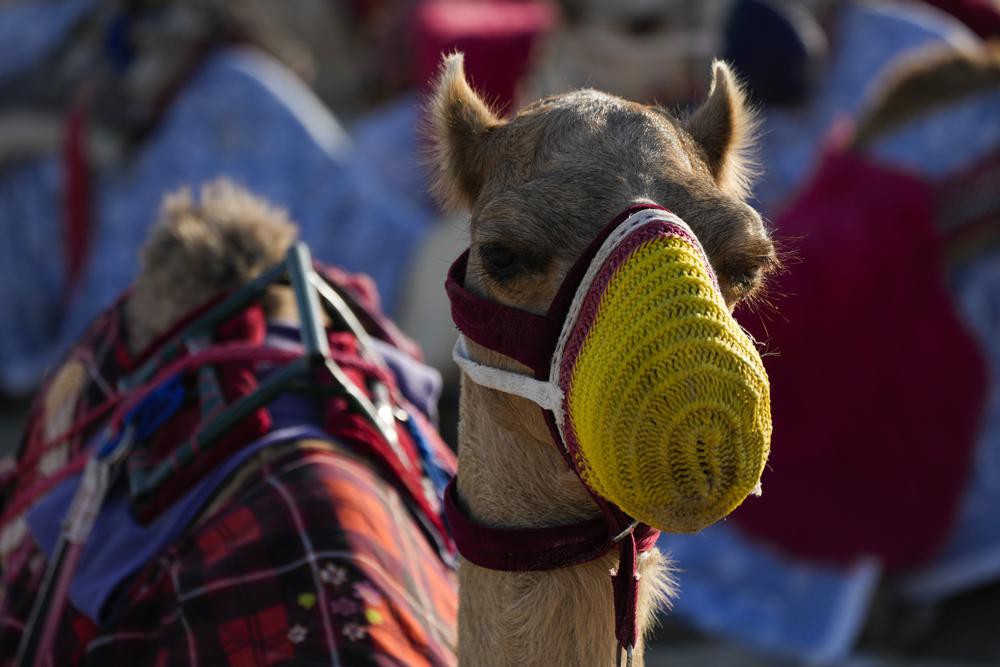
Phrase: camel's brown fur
x=724 y=129
x=197 y=249
x=539 y=187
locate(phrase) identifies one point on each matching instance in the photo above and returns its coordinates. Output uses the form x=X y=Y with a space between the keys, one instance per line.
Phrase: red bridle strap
x=553 y=547
x=524 y=549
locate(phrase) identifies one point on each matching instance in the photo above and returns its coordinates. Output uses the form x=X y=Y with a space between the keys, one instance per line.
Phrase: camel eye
x=499 y=261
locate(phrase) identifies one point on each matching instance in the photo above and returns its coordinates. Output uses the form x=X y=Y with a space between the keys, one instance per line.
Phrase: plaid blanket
x=314 y=560
x=316 y=553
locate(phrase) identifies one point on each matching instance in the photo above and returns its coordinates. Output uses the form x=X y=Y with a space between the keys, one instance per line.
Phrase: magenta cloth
x=979 y=16
x=877 y=387
x=497 y=38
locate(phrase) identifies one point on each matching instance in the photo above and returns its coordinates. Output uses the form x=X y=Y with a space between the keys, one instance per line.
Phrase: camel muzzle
x=659 y=399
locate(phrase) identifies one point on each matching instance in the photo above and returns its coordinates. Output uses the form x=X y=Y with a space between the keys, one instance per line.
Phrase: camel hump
x=200 y=247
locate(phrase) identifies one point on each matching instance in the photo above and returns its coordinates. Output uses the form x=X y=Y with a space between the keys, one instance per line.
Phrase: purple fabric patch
x=119 y=545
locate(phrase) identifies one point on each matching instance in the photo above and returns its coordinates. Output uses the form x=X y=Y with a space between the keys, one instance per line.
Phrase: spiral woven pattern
x=667 y=401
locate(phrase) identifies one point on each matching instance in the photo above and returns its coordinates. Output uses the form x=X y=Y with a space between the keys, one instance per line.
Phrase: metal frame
x=312 y=291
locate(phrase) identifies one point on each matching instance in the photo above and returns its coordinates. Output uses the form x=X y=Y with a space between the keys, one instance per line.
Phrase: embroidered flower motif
x=333 y=575
x=355 y=632
x=345 y=606
x=367 y=592
x=297 y=634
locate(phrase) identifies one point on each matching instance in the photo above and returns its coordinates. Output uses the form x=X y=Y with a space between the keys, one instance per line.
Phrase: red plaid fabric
x=314 y=560
x=316 y=556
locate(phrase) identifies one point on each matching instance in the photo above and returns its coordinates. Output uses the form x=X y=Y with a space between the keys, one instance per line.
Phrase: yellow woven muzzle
x=666 y=407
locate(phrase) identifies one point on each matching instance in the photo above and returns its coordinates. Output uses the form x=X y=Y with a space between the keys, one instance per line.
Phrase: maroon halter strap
x=524 y=549
x=552 y=547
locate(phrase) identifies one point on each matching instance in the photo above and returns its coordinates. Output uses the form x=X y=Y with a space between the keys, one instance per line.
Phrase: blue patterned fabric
x=120 y=544
x=30 y=30
x=242 y=116
x=945 y=141
x=389 y=138
x=31 y=271
x=745 y=591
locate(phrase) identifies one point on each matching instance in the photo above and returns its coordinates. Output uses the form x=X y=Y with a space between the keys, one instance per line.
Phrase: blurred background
x=877 y=539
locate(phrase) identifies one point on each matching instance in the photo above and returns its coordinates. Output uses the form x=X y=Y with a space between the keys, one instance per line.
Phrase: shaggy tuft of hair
x=725 y=127
x=199 y=248
x=458 y=119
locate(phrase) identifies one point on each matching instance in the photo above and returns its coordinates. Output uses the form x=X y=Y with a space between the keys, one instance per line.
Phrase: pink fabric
x=980 y=16
x=496 y=37
x=877 y=388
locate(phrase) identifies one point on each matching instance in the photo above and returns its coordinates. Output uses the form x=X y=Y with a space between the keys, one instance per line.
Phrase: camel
x=539 y=186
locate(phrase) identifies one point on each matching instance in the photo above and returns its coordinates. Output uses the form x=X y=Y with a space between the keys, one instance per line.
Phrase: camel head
x=541 y=184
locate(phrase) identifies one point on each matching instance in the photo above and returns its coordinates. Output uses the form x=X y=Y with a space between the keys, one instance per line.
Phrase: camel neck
x=511 y=475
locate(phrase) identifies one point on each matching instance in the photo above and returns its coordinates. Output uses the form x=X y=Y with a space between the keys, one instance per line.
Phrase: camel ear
x=724 y=127
x=461 y=123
